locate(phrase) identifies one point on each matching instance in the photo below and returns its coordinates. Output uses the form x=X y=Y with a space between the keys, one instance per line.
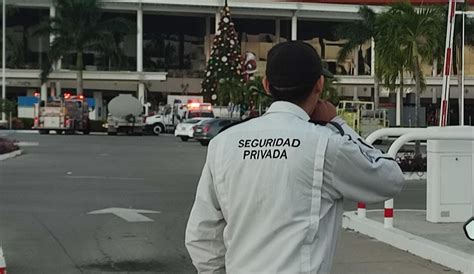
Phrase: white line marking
x=27 y=144
x=105 y=178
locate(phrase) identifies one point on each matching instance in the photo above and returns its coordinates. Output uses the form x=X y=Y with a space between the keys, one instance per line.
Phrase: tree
x=411 y=35
x=390 y=64
x=358 y=34
x=79 y=26
x=7 y=106
x=225 y=64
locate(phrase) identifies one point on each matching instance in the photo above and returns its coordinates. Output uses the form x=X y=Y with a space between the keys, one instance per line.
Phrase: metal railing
x=374 y=136
x=408 y=135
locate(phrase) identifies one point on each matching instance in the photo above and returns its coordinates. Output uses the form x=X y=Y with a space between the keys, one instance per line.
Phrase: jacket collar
x=287 y=107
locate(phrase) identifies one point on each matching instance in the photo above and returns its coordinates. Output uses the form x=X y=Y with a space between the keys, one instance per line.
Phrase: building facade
x=168 y=52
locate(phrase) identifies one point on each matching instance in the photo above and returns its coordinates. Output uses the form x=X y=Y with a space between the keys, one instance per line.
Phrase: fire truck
x=63 y=115
x=362 y=116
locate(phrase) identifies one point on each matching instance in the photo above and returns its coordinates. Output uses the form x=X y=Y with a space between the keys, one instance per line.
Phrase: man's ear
x=319 y=86
x=266 y=85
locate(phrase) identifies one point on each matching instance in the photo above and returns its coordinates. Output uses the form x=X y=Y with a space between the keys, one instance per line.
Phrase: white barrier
x=434 y=133
x=374 y=136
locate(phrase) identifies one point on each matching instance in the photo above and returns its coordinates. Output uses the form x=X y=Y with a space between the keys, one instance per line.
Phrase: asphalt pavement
x=47 y=193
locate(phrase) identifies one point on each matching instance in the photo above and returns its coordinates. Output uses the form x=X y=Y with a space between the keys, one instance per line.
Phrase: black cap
x=294 y=64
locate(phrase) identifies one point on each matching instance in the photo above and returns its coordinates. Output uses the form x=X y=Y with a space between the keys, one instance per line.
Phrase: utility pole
x=4 y=30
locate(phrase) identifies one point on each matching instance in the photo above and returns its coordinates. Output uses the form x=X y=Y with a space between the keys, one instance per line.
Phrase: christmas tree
x=225 y=64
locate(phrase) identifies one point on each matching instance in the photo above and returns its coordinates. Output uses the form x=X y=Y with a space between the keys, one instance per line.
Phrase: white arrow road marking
x=128 y=214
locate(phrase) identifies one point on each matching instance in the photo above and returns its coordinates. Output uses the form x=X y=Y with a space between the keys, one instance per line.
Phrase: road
x=46 y=193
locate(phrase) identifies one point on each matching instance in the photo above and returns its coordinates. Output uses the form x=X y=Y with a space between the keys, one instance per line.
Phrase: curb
x=416 y=245
x=10 y=155
x=3 y=265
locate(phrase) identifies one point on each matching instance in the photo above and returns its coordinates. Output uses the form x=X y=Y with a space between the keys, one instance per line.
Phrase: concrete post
x=294 y=27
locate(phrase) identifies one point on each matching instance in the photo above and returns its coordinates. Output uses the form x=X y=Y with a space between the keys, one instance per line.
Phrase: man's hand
x=324 y=111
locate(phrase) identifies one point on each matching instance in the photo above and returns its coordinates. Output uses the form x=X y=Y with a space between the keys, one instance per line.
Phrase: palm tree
x=412 y=34
x=78 y=27
x=390 y=64
x=357 y=34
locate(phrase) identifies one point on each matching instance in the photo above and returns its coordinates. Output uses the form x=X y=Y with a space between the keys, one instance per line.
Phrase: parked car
x=185 y=130
x=210 y=128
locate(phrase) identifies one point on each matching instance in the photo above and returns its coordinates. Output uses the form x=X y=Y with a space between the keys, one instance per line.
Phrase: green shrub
x=22 y=123
x=28 y=123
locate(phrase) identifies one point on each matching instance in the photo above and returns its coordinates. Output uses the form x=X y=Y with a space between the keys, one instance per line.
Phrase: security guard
x=271 y=192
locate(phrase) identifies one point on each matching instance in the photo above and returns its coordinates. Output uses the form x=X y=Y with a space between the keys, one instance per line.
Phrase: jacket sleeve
x=204 y=232
x=360 y=172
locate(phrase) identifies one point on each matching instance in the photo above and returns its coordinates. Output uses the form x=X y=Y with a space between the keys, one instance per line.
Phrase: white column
x=277 y=31
x=356 y=62
x=218 y=20
x=207 y=39
x=434 y=73
x=372 y=58
x=140 y=38
x=58 y=64
x=461 y=92
x=44 y=92
x=58 y=88
x=99 y=105
x=355 y=97
x=141 y=86
x=294 y=27
x=52 y=14
x=398 y=120
x=141 y=93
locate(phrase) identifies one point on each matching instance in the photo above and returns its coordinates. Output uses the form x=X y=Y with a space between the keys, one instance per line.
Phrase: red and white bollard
x=361 y=210
x=3 y=266
x=388 y=214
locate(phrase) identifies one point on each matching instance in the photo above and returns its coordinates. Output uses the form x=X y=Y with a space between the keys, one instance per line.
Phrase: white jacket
x=270 y=196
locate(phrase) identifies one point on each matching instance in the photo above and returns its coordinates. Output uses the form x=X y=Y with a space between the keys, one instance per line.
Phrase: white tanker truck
x=125 y=115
